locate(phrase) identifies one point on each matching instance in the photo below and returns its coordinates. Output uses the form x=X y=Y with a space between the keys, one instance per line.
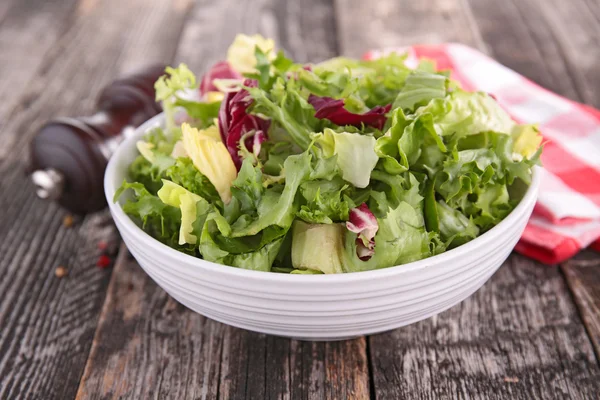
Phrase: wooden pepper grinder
x=68 y=156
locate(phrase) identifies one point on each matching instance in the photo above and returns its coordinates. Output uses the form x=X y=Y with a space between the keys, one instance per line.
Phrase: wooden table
x=532 y=331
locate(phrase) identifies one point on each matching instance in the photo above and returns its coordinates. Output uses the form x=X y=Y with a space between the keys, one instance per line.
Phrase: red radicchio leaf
x=365 y=252
x=258 y=139
x=234 y=122
x=364 y=224
x=334 y=110
x=221 y=70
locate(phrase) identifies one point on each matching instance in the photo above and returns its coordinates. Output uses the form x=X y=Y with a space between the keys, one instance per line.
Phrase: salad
x=341 y=166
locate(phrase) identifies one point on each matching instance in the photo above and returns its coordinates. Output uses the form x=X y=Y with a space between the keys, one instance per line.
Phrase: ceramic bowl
x=316 y=307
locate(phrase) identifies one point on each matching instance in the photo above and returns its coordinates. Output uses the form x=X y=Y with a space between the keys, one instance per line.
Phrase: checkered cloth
x=566 y=218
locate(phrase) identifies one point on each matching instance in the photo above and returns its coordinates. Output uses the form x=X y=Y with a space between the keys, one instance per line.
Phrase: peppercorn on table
x=80 y=319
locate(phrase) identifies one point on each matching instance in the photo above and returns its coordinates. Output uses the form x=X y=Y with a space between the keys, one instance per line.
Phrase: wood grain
x=28 y=29
x=578 y=43
x=258 y=366
x=518 y=337
x=48 y=323
x=148 y=345
x=5 y=6
x=305 y=29
x=553 y=43
x=373 y=25
x=583 y=276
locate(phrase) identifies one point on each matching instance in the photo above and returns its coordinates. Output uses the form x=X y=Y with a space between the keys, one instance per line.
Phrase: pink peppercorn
x=103 y=261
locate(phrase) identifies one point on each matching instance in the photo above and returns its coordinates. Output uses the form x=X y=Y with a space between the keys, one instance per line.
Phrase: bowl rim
x=228 y=271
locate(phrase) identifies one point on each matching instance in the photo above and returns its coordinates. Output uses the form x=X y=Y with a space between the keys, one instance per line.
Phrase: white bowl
x=316 y=307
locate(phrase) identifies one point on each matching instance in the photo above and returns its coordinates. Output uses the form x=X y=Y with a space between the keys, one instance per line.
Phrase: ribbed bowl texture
x=316 y=307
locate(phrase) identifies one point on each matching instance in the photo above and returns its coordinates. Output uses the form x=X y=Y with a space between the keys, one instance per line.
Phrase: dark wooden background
x=532 y=331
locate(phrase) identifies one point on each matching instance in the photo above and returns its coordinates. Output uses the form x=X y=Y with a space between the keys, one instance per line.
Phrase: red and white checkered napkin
x=566 y=218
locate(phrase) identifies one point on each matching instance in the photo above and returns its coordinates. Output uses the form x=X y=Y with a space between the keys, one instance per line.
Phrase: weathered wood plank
x=307 y=32
x=577 y=41
x=553 y=43
x=310 y=32
x=242 y=364
x=583 y=276
x=28 y=28
x=148 y=345
x=48 y=324
x=259 y=366
x=527 y=47
x=5 y=7
x=373 y=25
x=518 y=337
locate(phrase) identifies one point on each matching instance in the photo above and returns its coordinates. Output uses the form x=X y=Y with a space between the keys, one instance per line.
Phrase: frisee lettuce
x=299 y=150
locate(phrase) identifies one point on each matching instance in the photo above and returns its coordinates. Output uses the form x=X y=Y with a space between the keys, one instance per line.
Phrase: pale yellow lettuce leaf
x=526 y=140
x=177 y=196
x=240 y=54
x=356 y=156
x=210 y=156
x=145 y=149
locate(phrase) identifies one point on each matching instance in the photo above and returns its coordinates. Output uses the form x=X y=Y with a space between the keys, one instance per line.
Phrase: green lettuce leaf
x=269 y=68
x=277 y=153
x=356 y=156
x=467 y=113
x=183 y=173
x=419 y=89
x=155 y=217
x=318 y=247
x=142 y=171
x=259 y=259
x=170 y=89
x=324 y=201
x=381 y=79
x=446 y=166
x=205 y=113
x=402 y=145
x=247 y=188
x=285 y=106
x=401 y=238
x=277 y=208
x=167 y=86
x=177 y=196
x=387 y=145
x=455 y=228
x=305 y=272
x=150 y=172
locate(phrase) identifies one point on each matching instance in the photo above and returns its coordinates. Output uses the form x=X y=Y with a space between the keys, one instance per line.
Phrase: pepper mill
x=68 y=156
